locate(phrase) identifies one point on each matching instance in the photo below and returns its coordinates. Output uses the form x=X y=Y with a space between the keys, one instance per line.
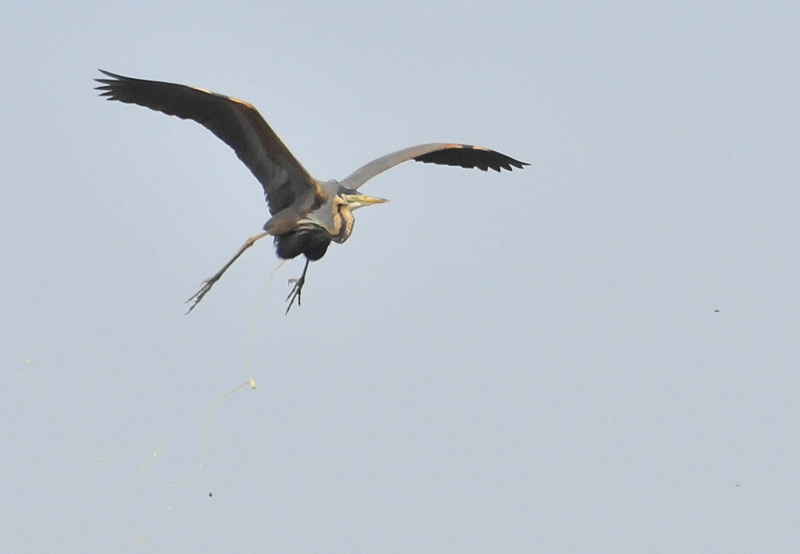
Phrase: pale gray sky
x=600 y=353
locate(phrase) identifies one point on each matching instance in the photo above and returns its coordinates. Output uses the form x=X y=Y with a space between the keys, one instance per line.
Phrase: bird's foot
x=198 y=296
x=207 y=284
x=296 y=291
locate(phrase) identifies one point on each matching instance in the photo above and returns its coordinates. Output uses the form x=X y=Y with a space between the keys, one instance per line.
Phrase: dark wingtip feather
x=470 y=157
x=107 y=87
x=114 y=78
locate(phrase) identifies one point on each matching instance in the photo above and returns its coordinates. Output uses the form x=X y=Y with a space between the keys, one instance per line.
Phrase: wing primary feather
x=470 y=157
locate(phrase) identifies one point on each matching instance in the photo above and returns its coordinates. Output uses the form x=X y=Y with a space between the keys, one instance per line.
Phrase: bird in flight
x=307 y=214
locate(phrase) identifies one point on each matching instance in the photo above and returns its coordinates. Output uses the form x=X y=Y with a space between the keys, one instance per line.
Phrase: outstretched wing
x=237 y=123
x=461 y=155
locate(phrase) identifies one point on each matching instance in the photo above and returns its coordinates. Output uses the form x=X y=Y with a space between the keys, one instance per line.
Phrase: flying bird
x=307 y=214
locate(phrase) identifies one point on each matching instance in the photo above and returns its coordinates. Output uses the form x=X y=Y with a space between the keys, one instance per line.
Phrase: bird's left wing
x=237 y=123
x=461 y=155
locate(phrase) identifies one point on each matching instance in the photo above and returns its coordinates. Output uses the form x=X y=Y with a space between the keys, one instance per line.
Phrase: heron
x=306 y=214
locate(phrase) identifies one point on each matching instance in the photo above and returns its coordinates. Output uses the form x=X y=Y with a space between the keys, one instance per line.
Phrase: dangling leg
x=298 y=288
x=208 y=283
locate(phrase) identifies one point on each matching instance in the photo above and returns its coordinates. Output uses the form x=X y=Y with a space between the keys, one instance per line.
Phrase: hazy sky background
x=600 y=353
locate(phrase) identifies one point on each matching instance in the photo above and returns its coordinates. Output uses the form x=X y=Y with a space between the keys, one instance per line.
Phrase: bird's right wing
x=461 y=155
x=237 y=123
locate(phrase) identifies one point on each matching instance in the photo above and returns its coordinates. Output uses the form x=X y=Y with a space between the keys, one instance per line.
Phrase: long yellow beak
x=360 y=200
